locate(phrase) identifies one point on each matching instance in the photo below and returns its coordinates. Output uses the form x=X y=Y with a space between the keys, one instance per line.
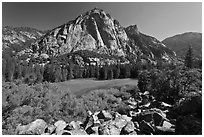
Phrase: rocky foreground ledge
x=104 y=123
x=157 y=118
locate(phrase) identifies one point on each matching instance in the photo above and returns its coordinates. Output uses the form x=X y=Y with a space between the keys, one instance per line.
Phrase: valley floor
x=83 y=86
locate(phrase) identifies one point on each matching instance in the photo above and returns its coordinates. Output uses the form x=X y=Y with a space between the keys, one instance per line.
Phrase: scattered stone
x=66 y=133
x=158 y=119
x=78 y=132
x=128 y=128
x=165 y=104
x=136 y=124
x=125 y=117
x=60 y=125
x=50 y=129
x=133 y=133
x=21 y=129
x=104 y=115
x=110 y=130
x=167 y=124
x=45 y=134
x=146 y=127
x=37 y=127
x=164 y=131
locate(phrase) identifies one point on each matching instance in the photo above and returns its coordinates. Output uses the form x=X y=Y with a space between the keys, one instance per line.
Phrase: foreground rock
x=37 y=127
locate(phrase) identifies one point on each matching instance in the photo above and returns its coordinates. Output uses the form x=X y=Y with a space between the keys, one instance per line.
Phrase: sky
x=157 y=19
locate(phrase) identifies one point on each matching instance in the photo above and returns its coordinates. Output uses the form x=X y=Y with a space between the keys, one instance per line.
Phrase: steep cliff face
x=95 y=31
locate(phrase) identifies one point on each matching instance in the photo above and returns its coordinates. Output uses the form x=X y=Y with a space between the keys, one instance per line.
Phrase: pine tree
x=110 y=73
x=58 y=74
x=38 y=74
x=91 y=71
x=104 y=73
x=117 y=72
x=127 y=71
x=10 y=69
x=3 y=69
x=97 y=73
x=189 y=58
x=70 y=72
x=134 y=71
x=64 y=73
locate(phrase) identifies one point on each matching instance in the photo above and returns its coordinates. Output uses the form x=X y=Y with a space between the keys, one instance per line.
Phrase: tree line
x=54 y=71
x=29 y=72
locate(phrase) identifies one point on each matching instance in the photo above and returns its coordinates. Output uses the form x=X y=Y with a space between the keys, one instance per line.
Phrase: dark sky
x=160 y=20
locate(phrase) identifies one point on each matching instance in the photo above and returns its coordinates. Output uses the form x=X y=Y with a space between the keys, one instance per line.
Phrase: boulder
x=158 y=119
x=167 y=124
x=133 y=133
x=164 y=131
x=146 y=127
x=45 y=134
x=78 y=132
x=128 y=128
x=88 y=122
x=92 y=130
x=104 y=115
x=125 y=117
x=60 y=125
x=120 y=120
x=120 y=123
x=50 y=129
x=21 y=129
x=37 y=127
x=109 y=129
x=66 y=133
x=75 y=124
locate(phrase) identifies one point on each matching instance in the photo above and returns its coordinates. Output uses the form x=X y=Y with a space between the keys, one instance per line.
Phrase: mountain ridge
x=181 y=42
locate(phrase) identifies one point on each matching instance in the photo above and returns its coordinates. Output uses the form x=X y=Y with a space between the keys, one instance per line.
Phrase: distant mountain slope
x=180 y=43
x=19 y=36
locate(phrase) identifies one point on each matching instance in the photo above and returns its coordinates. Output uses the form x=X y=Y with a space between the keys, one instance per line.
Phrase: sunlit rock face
x=95 y=30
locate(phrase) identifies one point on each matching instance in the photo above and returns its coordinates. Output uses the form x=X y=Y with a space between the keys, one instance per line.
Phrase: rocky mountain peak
x=94 y=30
x=132 y=29
x=97 y=32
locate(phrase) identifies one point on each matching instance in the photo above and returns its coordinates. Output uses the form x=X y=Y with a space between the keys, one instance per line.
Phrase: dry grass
x=83 y=86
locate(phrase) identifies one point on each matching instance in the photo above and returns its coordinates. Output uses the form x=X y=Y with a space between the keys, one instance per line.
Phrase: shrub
x=144 y=81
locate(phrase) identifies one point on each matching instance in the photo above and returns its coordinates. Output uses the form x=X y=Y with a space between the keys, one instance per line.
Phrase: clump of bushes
x=169 y=85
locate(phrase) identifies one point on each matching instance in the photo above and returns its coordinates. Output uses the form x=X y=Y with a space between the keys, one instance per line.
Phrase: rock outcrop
x=95 y=31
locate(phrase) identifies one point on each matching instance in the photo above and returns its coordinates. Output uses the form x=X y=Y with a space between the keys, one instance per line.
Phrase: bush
x=111 y=99
x=170 y=85
x=23 y=104
x=144 y=81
